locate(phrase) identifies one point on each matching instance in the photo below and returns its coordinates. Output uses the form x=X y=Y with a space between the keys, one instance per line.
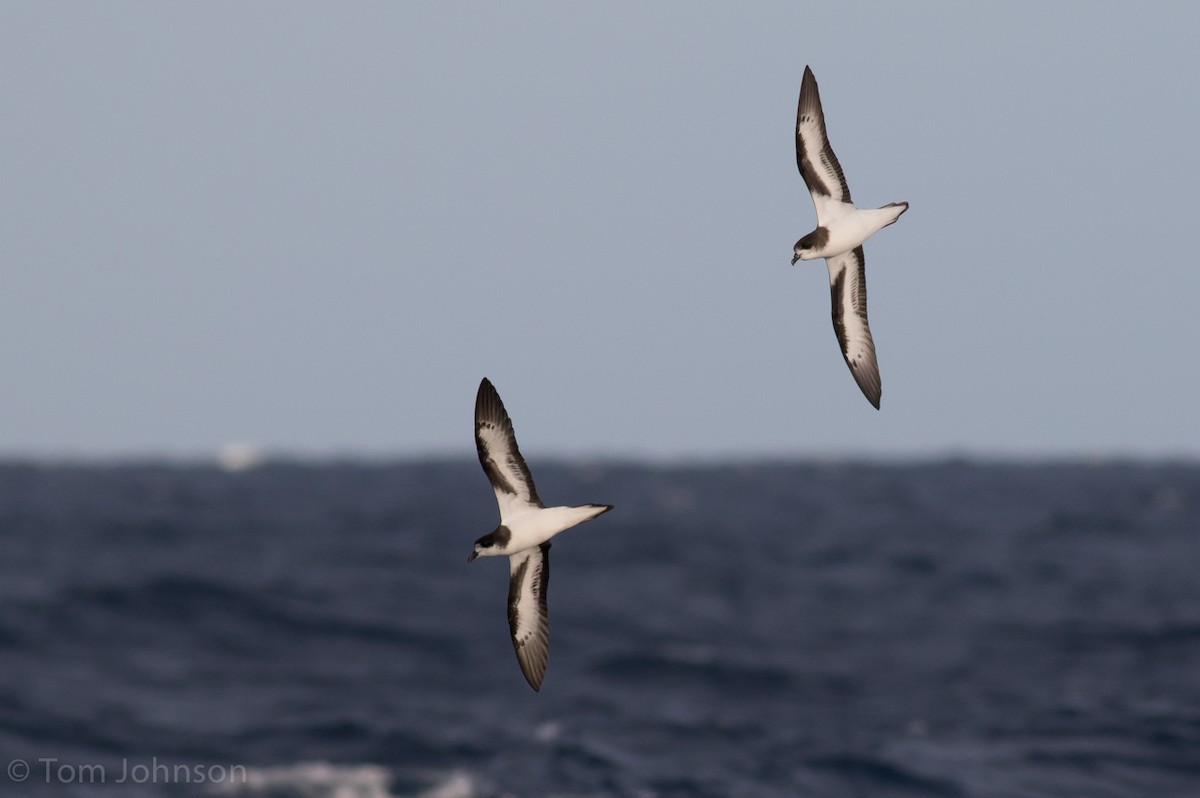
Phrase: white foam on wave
x=455 y=785
x=325 y=780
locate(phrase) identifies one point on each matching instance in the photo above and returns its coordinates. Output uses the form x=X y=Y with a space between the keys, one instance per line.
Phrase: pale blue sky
x=317 y=226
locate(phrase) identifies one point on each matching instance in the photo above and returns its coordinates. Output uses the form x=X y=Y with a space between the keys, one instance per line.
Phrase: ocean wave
x=681 y=669
x=202 y=604
x=883 y=776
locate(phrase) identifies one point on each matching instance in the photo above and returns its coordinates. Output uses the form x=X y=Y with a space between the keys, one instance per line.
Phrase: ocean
x=800 y=629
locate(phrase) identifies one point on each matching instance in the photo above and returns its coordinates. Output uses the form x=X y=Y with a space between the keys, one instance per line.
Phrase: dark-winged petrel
x=526 y=526
x=841 y=230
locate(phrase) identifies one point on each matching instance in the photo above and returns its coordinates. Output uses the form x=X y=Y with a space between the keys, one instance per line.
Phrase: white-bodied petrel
x=526 y=526
x=841 y=231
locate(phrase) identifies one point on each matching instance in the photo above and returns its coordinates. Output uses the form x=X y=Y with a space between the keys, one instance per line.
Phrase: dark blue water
x=946 y=629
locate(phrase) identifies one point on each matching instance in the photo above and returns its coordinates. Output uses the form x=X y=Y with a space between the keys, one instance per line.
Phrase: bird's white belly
x=848 y=226
x=537 y=525
x=852 y=229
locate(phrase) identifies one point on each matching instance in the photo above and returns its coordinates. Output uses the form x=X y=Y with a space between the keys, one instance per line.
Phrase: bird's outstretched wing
x=499 y=455
x=528 y=620
x=818 y=165
x=848 y=289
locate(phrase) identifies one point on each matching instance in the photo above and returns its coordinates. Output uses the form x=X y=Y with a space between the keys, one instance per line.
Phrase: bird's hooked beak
x=794 y=259
x=474 y=554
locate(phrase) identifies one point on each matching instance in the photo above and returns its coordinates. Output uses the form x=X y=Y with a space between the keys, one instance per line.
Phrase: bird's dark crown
x=813 y=241
x=498 y=537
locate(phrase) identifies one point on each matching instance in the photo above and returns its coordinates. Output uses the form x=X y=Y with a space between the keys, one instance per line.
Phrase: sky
x=314 y=227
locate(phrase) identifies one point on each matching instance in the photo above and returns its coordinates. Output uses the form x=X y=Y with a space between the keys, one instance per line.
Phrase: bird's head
x=491 y=544
x=808 y=247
